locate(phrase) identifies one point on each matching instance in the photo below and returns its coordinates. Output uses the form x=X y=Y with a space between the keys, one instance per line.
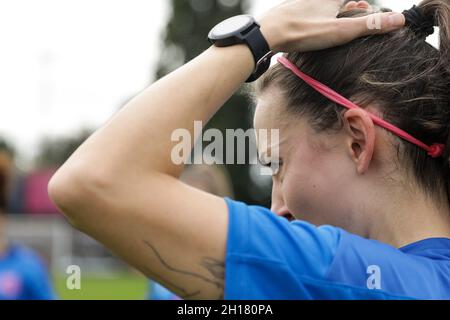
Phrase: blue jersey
x=269 y=257
x=158 y=292
x=23 y=275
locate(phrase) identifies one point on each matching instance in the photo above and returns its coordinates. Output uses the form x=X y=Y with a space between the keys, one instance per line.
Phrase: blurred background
x=66 y=67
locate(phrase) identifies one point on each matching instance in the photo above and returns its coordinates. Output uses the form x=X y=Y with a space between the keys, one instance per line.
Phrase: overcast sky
x=66 y=65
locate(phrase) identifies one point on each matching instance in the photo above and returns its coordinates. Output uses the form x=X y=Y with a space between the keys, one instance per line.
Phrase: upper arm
x=173 y=233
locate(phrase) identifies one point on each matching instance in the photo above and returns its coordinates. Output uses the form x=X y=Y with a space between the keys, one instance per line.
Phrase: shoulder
x=371 y=264
x=268 y=256
x=257 y=233
x=25 y=256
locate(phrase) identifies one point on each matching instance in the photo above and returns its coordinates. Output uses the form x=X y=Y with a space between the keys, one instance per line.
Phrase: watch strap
x=257 y=43
x=260 y=50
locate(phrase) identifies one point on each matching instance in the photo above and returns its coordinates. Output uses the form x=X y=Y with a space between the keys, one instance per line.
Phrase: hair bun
x=422 y=25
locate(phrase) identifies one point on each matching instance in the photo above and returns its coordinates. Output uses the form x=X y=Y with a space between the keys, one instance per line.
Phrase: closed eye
x=271 y=164
x=268 y=164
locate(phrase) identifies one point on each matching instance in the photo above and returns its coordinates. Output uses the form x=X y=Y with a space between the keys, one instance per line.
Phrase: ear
x=360 y=138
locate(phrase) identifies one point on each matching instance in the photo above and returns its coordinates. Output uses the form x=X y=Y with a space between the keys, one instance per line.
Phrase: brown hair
x=406 y=78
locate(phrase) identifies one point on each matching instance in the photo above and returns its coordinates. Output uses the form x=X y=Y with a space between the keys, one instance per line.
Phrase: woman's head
x=331 y=154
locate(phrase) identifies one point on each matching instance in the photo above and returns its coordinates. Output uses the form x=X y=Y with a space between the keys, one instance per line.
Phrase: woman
x=376 y=204
x=23 y=273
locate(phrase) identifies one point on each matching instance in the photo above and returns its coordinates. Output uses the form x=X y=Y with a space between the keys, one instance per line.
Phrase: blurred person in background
x=23 y=274
x=213 y=179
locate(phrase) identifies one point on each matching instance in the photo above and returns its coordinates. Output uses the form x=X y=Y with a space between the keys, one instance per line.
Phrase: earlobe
x=360 y=138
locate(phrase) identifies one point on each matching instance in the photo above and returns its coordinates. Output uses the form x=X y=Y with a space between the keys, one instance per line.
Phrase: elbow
x=75 y=192
x=59 y=191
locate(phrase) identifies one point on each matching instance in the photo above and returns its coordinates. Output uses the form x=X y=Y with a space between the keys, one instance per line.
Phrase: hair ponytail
x=439 y=11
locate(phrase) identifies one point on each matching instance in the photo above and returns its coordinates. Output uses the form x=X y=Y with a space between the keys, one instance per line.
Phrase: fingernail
x=396 y=19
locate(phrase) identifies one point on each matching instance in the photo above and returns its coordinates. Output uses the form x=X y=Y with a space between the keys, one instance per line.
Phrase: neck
x=410 y=217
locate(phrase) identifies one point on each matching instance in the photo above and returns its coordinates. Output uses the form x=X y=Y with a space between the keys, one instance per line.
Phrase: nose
x=277 y=199
x=278 y=206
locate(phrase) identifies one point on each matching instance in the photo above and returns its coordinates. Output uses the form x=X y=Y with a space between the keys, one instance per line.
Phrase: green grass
x=112 y=287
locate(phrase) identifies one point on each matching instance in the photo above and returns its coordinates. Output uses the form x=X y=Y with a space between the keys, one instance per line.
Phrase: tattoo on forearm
x=215 y=267
x=171 y=286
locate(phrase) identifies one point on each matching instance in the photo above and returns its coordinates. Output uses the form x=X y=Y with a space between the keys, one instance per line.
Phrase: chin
x=312 y=219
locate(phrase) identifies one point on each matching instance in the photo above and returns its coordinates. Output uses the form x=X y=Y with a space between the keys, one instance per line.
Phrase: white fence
x=60 y=244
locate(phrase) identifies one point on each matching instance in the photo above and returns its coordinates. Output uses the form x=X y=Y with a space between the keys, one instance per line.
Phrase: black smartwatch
x=244 y=29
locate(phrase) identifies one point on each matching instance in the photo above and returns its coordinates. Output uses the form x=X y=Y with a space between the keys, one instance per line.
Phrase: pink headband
x=435 y=150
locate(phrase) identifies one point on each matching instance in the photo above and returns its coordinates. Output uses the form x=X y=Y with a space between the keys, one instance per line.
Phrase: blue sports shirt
x=23 y=275
x=269 y=257
x=158 y=292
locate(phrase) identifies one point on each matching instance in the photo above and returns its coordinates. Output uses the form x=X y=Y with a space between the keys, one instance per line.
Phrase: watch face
x=231 y=26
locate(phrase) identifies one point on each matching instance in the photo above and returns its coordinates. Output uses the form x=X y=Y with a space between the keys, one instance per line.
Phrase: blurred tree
x=184 y=39
x=6 y=147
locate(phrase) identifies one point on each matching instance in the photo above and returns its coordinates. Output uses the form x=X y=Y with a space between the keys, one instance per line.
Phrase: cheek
x=301 y=193
x=311 y=189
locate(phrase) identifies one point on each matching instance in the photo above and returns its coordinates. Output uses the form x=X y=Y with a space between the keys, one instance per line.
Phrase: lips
x=289 y=217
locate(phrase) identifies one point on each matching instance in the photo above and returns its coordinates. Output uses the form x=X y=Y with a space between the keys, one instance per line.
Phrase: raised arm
x=121 y=186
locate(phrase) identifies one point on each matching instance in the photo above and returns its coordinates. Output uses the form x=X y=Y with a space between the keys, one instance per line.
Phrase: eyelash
x=269 y=164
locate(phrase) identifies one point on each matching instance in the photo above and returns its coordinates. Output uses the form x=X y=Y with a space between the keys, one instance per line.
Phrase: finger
x=382 y=22
x=352 y=28
x=363 y=5
x=350 y=5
